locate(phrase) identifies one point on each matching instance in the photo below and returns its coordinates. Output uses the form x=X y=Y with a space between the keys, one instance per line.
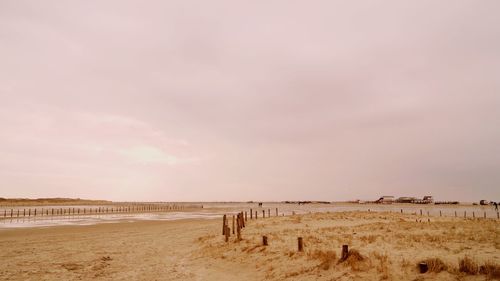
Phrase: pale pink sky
x=250 y=100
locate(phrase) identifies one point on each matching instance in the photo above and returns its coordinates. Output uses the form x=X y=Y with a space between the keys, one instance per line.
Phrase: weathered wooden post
x=345 y=252
x=276 y=211
x=227 y=231
x=233 y=224
x=300 y=244
x=11 y=213
x=24 y=212
x=423 y=267
x=473 y=215
x=29 y=212
x=440 y=213
x=264 y=240
x=242 y=220
x=255 y=214
x=263 y=214
x=224 y=224
x=420 y=211
x=251 y=213
x=238 y=229
x=246 y=218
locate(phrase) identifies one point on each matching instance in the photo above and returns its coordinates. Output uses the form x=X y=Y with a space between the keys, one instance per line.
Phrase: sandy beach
x=384 y=246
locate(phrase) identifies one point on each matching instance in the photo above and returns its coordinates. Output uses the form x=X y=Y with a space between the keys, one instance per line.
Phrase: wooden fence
x=97 y=210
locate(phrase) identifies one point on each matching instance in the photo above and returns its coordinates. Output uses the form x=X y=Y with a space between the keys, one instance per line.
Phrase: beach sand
x=390 y=245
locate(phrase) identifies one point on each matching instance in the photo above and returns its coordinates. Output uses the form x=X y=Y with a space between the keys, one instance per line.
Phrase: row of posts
x=99 y=210
x=456 y=215
x=238 y=222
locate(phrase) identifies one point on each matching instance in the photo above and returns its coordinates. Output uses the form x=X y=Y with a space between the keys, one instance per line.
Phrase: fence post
x=264 y=240
x=233 y=224
x=300 y=244
x=440 y=213
x=276 y=211
x=251 y=213
x=345 y=252
x=224 y=224
x=263 y=213
x=420 y=211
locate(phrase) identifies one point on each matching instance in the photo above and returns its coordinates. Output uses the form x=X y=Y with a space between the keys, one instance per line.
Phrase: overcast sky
x=250 y=100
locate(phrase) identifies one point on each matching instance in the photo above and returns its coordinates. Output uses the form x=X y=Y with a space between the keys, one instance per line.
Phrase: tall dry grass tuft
x=326 y=258
x=467 y=265
x=435 y=265
x=355 y=260
x=491 y=269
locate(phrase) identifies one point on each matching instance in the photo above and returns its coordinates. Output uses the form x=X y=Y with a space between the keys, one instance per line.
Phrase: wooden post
x=401 y=211
x=300 y=244
x=345 y=252
x=263 y=213
x=233 y=224
x=29 y=212
x=11 y=212
x=224 y=224
x=255 y=214
x=17 y=212
x=246 y=218
x=473 y=215
x=35 y=212
x=251 y=214
x=227 y=231
x=242 y=220
x=24 y=212
x=420 y=211
x=498 y=215
x=276 y=211
x=440 y=213
x=4 y=213
x=264 y=240
x=465 y=214
x=238 y=229
x=455 y=214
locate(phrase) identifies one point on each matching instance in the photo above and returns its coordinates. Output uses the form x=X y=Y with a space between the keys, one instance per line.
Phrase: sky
x=250 y=100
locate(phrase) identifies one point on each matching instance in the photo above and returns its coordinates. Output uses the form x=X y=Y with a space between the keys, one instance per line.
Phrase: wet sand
x=390 y=246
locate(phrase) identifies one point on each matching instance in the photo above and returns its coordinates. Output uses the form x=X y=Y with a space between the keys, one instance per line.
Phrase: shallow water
x=215 y=210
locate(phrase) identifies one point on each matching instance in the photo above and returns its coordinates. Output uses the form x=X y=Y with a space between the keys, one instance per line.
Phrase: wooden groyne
x=94 y=210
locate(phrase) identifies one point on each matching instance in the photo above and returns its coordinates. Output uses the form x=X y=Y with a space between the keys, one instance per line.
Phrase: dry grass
x=468 y=266
x=435 y=265
x=491 y=269
x=326 y=258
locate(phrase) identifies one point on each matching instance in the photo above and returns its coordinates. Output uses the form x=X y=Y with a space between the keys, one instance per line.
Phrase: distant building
x=385 y=200
x=406 y=199
x=426 y=200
